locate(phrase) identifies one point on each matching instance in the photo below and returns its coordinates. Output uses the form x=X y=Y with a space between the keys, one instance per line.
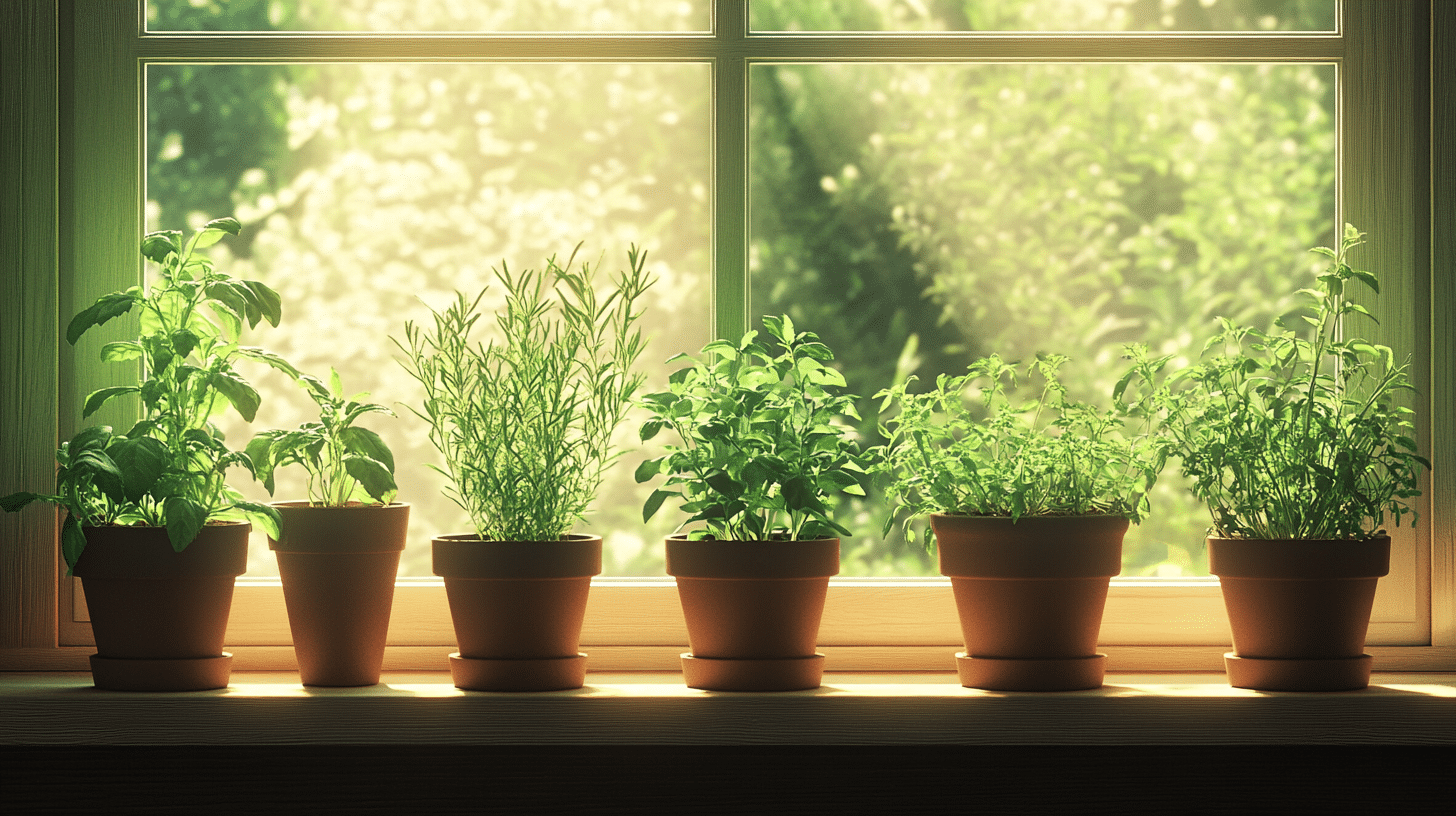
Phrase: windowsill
x=268 y=708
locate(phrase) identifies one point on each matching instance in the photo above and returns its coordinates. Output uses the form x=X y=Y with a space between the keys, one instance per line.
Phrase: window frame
x=72 y=165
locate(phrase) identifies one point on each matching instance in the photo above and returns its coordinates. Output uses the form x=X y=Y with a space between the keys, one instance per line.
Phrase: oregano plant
x=169 y=469
x=344 y=462
x=524 y=421
x=968 y=447
x=1292 y=434
x=764 y=445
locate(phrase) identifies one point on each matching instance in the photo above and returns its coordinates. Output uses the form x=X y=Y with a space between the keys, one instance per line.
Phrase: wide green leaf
x=185 y=519
x=242 y=395
x=372 y=475
x=141 y=462
x=367 y=443
x=102 y=396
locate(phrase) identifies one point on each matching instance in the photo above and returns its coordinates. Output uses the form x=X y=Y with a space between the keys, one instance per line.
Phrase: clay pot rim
x=354 y=528
x=1299 y=559
x=467 y=556
x=145 y=552
x=1045 y=548
x=768 y=559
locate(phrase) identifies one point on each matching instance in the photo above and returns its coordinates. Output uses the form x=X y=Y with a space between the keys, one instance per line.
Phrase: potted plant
x=524 y=423
x=152 y=528
x=763 y=449
x=1028 y=503
x=1296 y=443
x=338 y=552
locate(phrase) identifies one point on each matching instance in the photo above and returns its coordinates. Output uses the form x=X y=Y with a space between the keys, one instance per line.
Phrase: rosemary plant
x=524 y=421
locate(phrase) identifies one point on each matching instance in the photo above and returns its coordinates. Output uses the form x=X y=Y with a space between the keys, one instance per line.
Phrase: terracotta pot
x=518 y=608
x=753 y=610
x=1030 y=595
x=159 y=616
x=338 y=566
x=1299 y=610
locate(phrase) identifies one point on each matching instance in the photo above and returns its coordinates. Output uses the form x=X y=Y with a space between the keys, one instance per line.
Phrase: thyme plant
x=764 y=444
x=966 y=447
x=1289 y=435
x=168 y=470
x=524 y=421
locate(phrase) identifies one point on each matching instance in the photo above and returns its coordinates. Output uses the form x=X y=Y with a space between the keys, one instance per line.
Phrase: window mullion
x=730 y=169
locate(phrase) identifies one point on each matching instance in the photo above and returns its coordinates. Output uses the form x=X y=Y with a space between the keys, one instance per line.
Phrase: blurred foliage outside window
x=915 y=216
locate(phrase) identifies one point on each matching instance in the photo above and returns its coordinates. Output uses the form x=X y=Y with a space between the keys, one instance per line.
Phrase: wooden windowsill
x=272 y=708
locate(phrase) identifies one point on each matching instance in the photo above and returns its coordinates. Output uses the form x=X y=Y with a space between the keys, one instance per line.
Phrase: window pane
x=1043 y=15
x=919 y=216
x=407 y=16
x=367 y=189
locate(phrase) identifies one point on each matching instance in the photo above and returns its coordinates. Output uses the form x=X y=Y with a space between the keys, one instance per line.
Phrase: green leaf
x=268 y=301
x=648 y=469
x=263 y=517
x=239 y=393
x=650 y=428
x=121 y=351
x=372 y=475
x=156 y=246
x=105 y=308
x=184 y=341
x=141 y=462
x=95 y=437
x=103 y=473
x=73 y=542
x=367 y=443
x=102 y=396
x=650 y=507
x=17 y=501
x=184 y=518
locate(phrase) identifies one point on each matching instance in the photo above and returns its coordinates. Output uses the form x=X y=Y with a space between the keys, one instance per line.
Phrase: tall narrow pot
x=159 y=616
x=518 y=607
x=753 y=610
x=1030 y=596
x=1299 y=610
x=338 y=566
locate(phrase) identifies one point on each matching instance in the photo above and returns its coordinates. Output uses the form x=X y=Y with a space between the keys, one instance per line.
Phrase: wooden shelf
x=267 y=708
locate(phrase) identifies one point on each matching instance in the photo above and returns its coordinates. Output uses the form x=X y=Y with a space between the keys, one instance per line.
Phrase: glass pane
x=920 y=216
x=1043 y=15
x=367 y=191
x=420 y=16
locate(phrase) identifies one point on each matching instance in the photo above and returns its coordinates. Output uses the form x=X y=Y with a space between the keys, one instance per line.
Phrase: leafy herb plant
x=1289 y=435
x=169 y=469
x=965 y=447
x=345 y=463
x=764 y=444
x=525 y=421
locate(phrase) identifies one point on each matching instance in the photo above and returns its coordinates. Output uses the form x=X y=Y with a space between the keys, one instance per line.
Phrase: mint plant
x=1290 y=435
x=169 y=469
x=344 y=462
x=965 y=447
x=764 y=442
x=525 y=420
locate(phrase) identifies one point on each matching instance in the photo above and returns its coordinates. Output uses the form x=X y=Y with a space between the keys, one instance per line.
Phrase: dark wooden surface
x=775 y=779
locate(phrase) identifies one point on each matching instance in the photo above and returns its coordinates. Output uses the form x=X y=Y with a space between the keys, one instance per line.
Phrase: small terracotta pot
x=518 y=607
x=1299 y=610
x=159 y=616
x=1030 y=596
x=338 y=566
x=753 y=610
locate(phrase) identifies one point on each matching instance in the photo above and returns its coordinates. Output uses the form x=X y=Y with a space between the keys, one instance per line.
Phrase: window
x=882 y=624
